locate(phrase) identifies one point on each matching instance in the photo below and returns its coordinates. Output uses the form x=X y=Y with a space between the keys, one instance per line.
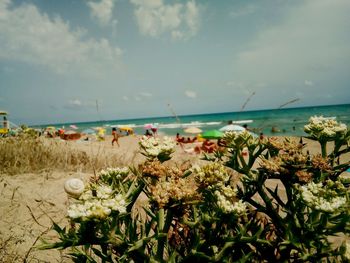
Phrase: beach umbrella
x=148 y=126
x=233 y=128
x=193 y=130
x=212 y=134
x=88 y=131
x=126 y=128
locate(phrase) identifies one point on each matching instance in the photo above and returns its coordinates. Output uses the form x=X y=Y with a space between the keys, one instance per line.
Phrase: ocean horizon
x=286 y=121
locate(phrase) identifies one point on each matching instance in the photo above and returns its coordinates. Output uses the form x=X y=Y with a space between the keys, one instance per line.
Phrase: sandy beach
x=31 y=201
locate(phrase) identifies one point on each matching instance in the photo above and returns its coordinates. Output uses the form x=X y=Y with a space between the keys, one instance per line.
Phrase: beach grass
x=26 y=154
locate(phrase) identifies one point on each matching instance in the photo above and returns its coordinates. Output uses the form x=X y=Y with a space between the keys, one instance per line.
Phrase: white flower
x=74 y=187
x=228 y=191
x=118 y=173
x=98 y=205
x=324 y=127
x=326 y=198
x=87 y=195
x=117 y=203
x=153 y=147
x=103 y=191
x=228 y=206
x=239 y=207
x=211 y=174
x=76 y=211
x=95 y=209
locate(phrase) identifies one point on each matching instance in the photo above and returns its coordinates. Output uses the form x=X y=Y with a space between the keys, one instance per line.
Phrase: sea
x=283 y=122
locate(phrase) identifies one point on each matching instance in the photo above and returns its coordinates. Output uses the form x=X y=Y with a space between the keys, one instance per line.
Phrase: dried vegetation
x=26 y=154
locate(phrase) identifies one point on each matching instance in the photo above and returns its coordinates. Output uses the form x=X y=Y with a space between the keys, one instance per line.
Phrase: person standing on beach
x=115 y=136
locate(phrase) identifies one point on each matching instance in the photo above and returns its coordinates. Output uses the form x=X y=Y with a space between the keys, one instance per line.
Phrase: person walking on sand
x=115 y=136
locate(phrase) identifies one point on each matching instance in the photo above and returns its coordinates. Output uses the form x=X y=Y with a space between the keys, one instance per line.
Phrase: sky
x=86 y=60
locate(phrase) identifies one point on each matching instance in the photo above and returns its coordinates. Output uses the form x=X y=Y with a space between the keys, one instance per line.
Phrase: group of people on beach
x=207 y=145
x=180 y=139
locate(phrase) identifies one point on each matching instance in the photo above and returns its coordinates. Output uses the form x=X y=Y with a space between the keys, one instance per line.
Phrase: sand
x=29 y=202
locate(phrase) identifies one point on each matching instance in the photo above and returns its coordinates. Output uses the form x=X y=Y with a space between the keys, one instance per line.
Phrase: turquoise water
x=289 y=122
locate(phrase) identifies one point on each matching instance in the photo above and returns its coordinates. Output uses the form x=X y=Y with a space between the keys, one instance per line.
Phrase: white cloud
x=102 y=11
x=29 y=36
x=148 y=3
x=192 y=17
x=125 y=98
x=308 y=83
x=191 y=94
x=137 y=98
x=313 y=35
x=175 y=34
x=78 y=104
x=155 y=18
x=75 y=102
x=145 y=94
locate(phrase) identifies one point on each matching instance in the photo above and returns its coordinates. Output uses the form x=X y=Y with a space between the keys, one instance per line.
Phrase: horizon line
x=187 y=115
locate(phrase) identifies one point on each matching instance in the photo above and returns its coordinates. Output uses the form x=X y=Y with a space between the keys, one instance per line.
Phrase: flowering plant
x=276 y=203
x=154 y=148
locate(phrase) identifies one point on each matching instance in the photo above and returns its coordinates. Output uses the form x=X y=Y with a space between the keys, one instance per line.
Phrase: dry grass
x=7 y=254
x=26 y=154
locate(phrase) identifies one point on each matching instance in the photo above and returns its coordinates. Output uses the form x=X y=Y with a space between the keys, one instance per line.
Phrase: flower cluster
x=273 y=165
x=153 y=169
x=118 y=172
x=97 y=203
x=327 y=198
x=155 y=148
x=289 y=160
x=241 y=139
x=225 y=200
x=287 y=145
x=174 y=190
x=215 y=179
x=228 y=207
x=304 y=176
x=294 y=158
x=320 y=127
x=320 y=163
x=210 y=174
x=113 y=175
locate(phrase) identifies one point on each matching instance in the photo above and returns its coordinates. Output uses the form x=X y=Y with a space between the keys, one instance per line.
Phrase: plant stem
x=324 y=148
x=161 y=240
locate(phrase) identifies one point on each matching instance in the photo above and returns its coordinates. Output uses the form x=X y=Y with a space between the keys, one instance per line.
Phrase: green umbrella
x=212 y=134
